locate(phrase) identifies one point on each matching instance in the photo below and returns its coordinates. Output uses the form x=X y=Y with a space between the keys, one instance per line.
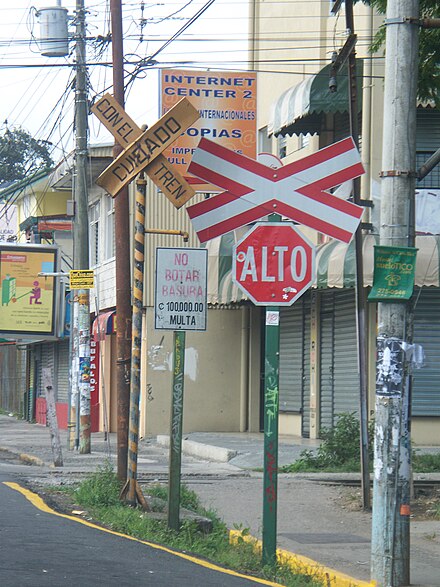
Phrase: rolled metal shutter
x=305 y=421
x=426 y=381
x=326 y=365
x=428 y=129
x=346 y=374
x=291 y=357
x=62 y=368
x=47 y=359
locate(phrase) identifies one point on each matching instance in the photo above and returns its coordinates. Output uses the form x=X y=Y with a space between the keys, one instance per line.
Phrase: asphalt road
x=41 y=549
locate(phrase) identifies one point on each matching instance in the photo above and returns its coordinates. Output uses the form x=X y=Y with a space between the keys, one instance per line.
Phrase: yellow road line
x=42 y=506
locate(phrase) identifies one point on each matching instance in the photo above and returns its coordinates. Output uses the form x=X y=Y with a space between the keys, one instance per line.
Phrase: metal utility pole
x=348 y=55
x=81 y=304
x=123 y=280
x=390 y=554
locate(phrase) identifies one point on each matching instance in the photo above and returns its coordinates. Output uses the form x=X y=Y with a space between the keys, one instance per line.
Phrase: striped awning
x=103 y=324
x=336 y=266
x=300 y=109
x=335 y=263
x=221 y=290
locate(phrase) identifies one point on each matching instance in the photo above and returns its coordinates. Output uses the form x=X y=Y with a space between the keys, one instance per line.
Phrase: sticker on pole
x=181 y=289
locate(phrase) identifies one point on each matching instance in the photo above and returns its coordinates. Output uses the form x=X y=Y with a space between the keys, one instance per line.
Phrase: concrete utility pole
x=81 y=304
x=123 y=279
x=391 y=509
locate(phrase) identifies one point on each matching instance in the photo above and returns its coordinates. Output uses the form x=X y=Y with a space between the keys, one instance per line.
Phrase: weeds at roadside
x=339 y=450
x=99 y=493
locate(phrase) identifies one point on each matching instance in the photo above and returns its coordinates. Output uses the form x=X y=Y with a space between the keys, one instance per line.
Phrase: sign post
x=180 y=303
x=271 y=411
x=274 y=264
x=143 y=152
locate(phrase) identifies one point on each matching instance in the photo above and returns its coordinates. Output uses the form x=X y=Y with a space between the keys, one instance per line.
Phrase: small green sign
x=394 y=272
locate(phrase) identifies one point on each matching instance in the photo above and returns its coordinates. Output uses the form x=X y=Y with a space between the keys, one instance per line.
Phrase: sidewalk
x=311 y=519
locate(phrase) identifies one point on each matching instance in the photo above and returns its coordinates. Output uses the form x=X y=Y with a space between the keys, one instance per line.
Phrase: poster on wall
x=227 y=103
x=394 y=274
x=8 y=223
x=28 y=299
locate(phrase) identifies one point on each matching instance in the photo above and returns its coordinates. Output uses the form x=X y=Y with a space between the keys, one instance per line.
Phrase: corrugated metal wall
x=306 y=371
x=428 y=129
x=346 y=375
x=62 y=368
x=326 y=366
x=291 y=357
x=426 y=381
x=160 y=213
x=339 y=379
x=9 y=385
x=47 y=359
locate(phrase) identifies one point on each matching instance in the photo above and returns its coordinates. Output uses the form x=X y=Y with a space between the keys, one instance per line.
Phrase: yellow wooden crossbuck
x=143 y=149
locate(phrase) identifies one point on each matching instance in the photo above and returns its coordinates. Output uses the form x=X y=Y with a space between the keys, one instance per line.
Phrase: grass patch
x=338 y=452
x=99 y=493
x=425 y=463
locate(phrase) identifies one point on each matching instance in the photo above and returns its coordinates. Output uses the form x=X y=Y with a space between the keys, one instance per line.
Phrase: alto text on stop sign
x=274 y=263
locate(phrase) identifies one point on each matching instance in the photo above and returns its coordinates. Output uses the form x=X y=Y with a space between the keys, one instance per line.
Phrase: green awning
x=336 y=264
x=300 y=109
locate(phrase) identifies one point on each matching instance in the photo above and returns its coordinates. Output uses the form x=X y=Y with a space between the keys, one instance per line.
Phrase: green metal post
x=176 y=431
x=271 y=408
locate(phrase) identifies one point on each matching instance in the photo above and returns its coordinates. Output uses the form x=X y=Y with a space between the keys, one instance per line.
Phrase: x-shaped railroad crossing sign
x=144 y=148
x=296 y=190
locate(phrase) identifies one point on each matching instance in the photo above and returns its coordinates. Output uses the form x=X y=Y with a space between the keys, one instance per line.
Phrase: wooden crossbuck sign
x=143 y=149
x=296 y=190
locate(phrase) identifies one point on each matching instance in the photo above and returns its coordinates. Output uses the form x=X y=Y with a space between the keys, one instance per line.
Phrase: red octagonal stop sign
x=274 y=264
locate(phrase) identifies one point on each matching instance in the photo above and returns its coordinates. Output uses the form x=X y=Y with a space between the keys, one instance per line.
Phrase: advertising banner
x=227 y=103
x=394 y=271
x=28 y=299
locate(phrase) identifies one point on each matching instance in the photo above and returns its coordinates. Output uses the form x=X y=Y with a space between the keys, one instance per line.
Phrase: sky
x=37 y=93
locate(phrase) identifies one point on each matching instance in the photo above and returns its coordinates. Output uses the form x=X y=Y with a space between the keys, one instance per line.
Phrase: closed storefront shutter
x=428 y=129
x=426 y=381
x=306 y=370
x=291 y=357
x=346 y=376
x=327 y=319
x=47 y=359
x=62 y=387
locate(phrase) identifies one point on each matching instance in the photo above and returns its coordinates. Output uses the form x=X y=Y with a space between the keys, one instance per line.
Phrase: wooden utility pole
x=122 y=253
x=390 y=555
x=81 y=303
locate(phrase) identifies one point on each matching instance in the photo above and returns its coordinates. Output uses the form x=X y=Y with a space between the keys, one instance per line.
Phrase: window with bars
x=94 y=210
x=432 y=180
x=282 y=146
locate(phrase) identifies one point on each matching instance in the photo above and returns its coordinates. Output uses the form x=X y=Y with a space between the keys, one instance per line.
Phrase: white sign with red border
x=297 y=190
x=274 y=264
x=181 y=289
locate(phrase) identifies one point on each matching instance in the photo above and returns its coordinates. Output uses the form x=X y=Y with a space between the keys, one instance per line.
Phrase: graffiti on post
x=270 y=489
x=271 y=405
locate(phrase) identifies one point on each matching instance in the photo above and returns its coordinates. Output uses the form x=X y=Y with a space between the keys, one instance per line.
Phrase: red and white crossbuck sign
x=296 y=190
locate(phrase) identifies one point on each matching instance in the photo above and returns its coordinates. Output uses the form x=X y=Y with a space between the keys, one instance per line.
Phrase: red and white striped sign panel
x=296 y=191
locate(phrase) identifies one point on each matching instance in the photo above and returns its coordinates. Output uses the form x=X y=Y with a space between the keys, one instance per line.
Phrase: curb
x=31 y=459
x=24 y=457
x=303 y=564
x=203 y=451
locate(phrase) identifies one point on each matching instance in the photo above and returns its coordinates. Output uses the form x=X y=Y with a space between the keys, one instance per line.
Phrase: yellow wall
x=212 y=376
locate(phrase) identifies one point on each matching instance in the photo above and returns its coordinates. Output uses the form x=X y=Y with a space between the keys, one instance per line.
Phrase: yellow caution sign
x=82 y=279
